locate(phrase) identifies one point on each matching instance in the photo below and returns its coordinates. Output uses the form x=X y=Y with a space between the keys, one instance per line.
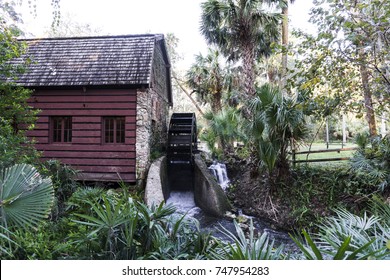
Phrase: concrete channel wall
x=209 y=196
x=157 y=190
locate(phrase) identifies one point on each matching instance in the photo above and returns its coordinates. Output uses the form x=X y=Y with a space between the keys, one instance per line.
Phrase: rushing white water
x=184 y=202
x=220 y=173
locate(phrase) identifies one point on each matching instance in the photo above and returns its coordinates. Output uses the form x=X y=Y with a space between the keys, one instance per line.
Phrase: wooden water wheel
x=182 y=138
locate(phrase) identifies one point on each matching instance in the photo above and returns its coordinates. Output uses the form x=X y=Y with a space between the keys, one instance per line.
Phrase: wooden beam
x=326 y=151
x=322 y=160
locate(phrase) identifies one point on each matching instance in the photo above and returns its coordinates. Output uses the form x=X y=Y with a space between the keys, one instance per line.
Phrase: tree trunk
x=216 y=105
x=368 y=104
x=188 y=94
x=327 y=132
x=283 y=80
x=344 y=128
x=365 y=76
x=249 y=71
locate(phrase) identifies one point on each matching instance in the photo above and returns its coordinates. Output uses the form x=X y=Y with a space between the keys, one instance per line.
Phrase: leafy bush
x=313 y=191
x=253 y=248
x=64 y=181
x=278 y=124
x=115 y=226
x=49 y=242
x=224 y=129
x=347 y=236
x=16 y=116
x=373 y=160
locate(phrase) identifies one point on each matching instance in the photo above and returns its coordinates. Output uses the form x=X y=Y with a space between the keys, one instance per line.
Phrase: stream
x=185 y=204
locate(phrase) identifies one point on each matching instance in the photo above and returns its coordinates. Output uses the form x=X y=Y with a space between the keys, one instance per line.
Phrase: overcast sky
x=116 y=17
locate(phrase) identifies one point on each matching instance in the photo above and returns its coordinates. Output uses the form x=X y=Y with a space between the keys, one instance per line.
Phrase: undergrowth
x=314 y=191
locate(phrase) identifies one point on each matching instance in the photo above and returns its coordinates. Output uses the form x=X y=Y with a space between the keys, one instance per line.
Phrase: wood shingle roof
x=90 y=61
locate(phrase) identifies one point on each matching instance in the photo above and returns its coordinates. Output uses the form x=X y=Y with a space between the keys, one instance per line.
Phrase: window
x=61 y=129
x=114 y=130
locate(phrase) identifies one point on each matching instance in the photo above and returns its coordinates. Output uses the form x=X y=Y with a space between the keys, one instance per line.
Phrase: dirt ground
x=251 y=193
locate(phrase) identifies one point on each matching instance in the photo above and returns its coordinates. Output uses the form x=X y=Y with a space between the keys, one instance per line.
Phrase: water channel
x=185 y=204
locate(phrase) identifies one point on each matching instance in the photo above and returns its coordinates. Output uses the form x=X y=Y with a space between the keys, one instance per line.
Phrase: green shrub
x=64 y=181
x=372 y=160
x=313 y=191
x=252 y=248
x=113 y=225
x=348 y=236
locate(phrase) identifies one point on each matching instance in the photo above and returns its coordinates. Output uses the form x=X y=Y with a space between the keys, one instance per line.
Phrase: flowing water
x=220 y=173
x=185 y=204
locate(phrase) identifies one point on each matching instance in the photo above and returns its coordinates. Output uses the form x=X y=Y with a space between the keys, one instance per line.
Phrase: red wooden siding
x=87 y=152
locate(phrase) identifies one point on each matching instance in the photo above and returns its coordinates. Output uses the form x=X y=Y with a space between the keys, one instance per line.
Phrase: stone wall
x=151 y=135
x=143 y=133
x=157 y=190
x=152 y=115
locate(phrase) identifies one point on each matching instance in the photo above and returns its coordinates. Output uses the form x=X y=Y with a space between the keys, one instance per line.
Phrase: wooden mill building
x=103 y=102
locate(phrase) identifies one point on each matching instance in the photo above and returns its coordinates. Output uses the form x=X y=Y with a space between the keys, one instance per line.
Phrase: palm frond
x=380 y=208
x=251 y=248
x=26 y=197
x=368 y=235
x=6 y=241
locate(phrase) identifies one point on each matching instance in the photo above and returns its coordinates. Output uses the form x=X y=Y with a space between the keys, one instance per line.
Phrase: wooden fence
x=295 y=153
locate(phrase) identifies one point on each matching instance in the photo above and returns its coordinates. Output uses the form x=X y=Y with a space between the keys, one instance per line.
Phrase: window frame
x=63 y=131
x=116 y=133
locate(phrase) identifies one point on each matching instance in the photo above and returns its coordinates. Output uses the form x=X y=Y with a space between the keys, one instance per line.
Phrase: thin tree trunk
x=327 y=132
x=383 y=125
x=188 y=94
x=344 y=128
x=368 y=104
x=365 y=77
x=283 y=80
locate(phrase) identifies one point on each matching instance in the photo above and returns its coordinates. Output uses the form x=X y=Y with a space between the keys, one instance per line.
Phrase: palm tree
x=206 y=78
x=277 y=126
x=242 y=30
x=224 y=128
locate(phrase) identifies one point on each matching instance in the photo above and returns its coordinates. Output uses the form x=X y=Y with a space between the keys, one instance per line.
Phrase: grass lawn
x=325 y=155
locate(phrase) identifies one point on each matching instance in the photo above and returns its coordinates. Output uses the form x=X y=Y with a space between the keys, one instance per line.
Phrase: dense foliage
x=250 y=123
x=110 y=224
x=373 y=160
x=15 y=115
x=344 y=65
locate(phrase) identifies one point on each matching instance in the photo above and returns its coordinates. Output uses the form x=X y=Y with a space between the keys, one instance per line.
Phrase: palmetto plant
x=366 y=231
x=347 y=236
x=25 y=197
x=373 y=159
x=278 y=124
x=252 y=248
x=128 y=229
x=154 y=223
x=6 y=242
x=224 y=128
x=106 y=221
